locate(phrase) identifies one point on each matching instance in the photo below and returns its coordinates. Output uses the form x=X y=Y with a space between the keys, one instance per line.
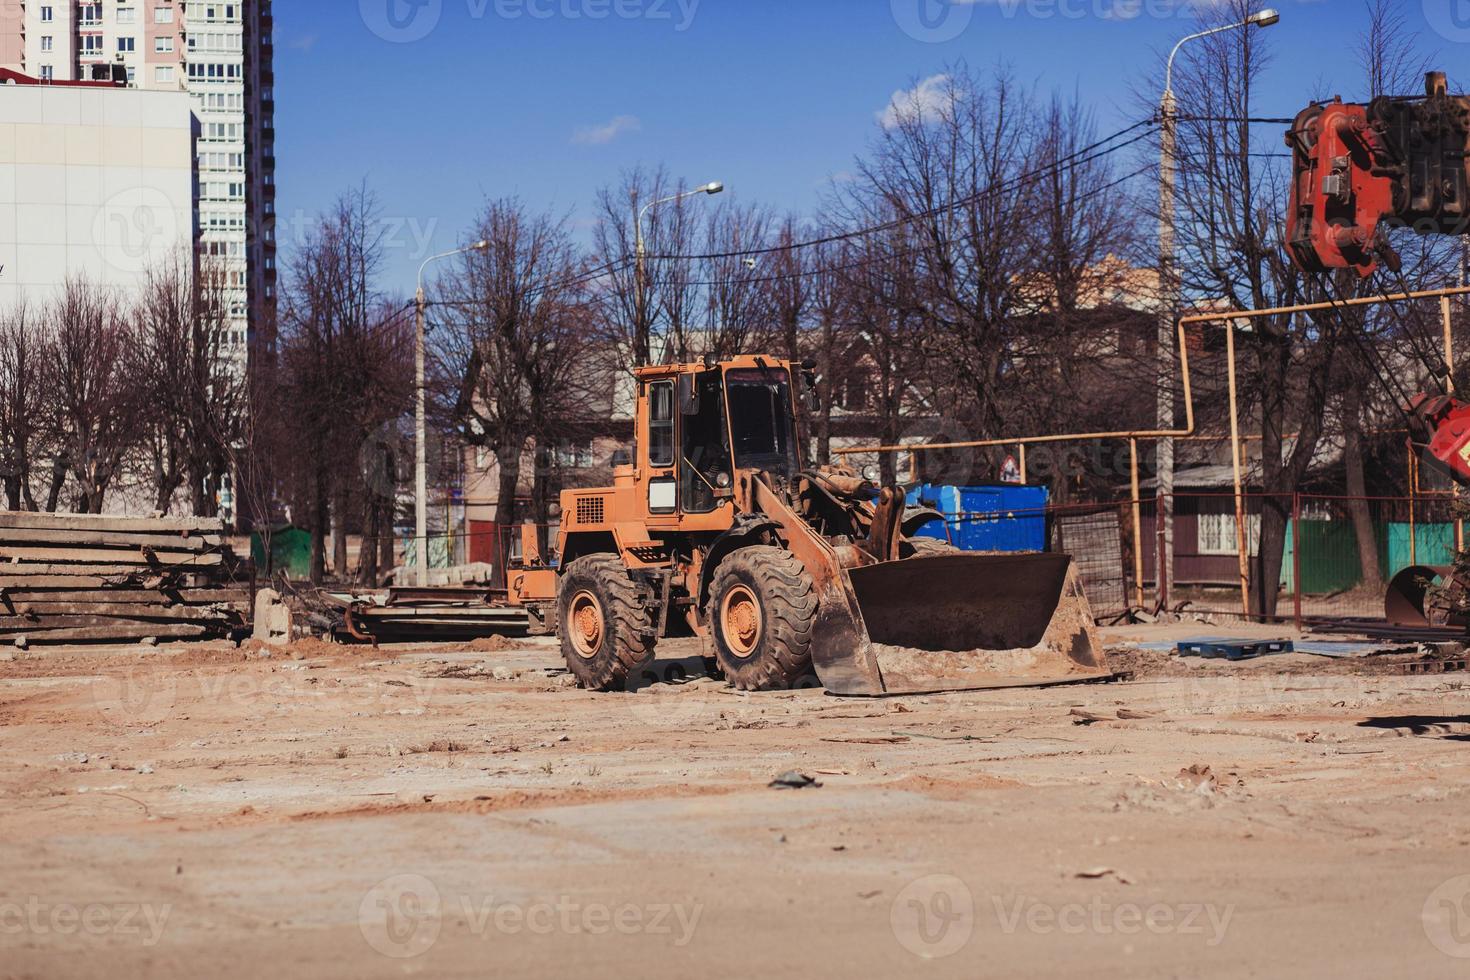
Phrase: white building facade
x=221 y=56
x=94 y=182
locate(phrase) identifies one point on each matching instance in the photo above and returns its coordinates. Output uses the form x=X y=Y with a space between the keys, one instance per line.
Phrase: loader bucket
x=956 y=622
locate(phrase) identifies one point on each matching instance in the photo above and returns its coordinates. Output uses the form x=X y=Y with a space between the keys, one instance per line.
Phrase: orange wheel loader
x=714 y=526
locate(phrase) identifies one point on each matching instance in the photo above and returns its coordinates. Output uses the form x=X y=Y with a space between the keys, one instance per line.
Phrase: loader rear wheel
x=606 y=631
x=762 y=606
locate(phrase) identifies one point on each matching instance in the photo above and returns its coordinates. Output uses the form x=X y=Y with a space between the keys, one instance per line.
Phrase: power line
x=1084 y=155
x=858 y=263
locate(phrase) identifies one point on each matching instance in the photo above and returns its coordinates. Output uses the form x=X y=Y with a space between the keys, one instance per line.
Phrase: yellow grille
x=590 y=510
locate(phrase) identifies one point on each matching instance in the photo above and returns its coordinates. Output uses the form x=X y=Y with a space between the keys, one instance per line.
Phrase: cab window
x=661 y=423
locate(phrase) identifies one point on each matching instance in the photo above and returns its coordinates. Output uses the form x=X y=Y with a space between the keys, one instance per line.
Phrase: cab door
x=662 y=453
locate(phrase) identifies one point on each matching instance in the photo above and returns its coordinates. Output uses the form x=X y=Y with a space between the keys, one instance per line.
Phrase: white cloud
x=606 y=132
x=921 y=102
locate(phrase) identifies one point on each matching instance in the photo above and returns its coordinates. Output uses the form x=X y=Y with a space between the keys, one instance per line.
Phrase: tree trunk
x=339 y=534
x=1357 y=488
x=506 y=516
x=58 y=480
x=541 y=491
x=367 y=555
x=319 y=511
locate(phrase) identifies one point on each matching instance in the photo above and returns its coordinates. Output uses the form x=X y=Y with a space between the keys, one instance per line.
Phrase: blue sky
x=441 y=103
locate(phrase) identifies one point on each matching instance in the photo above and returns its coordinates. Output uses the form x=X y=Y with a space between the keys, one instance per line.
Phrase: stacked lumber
x=83 y=578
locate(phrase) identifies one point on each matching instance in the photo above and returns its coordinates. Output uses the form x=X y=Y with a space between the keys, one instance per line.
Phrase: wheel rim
x=740 y=620
x=585 y=624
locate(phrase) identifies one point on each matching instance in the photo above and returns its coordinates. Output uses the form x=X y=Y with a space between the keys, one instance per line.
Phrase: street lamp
x=1169 y=287
x=713 y=187
x=420 y=423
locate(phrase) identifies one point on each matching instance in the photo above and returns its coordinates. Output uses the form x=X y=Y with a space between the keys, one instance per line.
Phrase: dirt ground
x=463 y=811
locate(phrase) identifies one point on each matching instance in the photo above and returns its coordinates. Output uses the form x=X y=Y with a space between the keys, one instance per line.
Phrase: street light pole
x=1170 y=290
x=641 y=249
x=420 y=418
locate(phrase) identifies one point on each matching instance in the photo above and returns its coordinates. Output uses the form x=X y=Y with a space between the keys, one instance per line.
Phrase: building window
x=47 y=73
x=163 y=45
x=163 y=73
x=163 y=15
x=48 y=43
x=1216 y=534
x=127 y=15
x=126 y=44
x=48 y=14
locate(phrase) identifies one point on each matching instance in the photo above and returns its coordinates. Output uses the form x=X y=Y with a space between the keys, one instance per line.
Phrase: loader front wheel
x=761 y=609
x=606 y=630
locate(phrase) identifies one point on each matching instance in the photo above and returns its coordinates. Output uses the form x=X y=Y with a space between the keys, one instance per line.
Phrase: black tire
x=606 y=631
x=926 y=547
x=771 y=592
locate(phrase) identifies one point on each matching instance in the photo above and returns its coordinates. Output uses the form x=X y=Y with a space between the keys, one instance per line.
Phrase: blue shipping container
x=1003 y=517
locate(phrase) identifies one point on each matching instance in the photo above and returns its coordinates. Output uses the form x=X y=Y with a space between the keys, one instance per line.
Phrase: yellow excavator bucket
x=955 y=622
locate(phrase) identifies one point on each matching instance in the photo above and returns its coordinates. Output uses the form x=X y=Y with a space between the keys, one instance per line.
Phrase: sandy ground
x=450 y=812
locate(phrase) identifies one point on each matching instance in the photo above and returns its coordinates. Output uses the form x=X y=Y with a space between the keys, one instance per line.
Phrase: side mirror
x=688 y=395
x=811 y=397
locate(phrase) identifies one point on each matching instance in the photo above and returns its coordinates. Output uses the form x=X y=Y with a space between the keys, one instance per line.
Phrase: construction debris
x=424 y=615
x=84 y=578
x=793 y=780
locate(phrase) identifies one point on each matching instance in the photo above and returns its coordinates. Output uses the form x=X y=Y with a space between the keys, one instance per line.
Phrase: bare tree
x=95 y=398
x=332 y=379
x=512 y=346
x=739 y=313
x=950 y=162
x=21 y=404
x=195 y=380
x=637 y=313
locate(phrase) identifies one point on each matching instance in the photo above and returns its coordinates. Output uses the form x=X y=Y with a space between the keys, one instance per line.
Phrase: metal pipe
x=1413 y=493
x=1187 y=430
x=1449 y=389
x=1137 y=524
x=1296 y=556
x=1241 y=544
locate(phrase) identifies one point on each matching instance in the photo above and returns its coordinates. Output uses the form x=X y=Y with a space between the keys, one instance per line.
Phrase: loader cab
x=701 y=424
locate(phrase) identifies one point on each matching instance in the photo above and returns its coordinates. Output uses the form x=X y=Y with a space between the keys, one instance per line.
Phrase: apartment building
x=219 y=53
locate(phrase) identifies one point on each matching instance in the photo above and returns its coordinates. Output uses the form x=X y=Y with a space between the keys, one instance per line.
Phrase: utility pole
x=420 y=454
x=1168 y=310
x=1169 y=290
x=640 y=259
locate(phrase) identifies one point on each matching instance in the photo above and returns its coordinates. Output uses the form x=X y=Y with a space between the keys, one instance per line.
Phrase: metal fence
x=1331 y=556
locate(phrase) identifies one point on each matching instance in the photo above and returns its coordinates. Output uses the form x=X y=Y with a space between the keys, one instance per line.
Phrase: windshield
x=760 y=419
